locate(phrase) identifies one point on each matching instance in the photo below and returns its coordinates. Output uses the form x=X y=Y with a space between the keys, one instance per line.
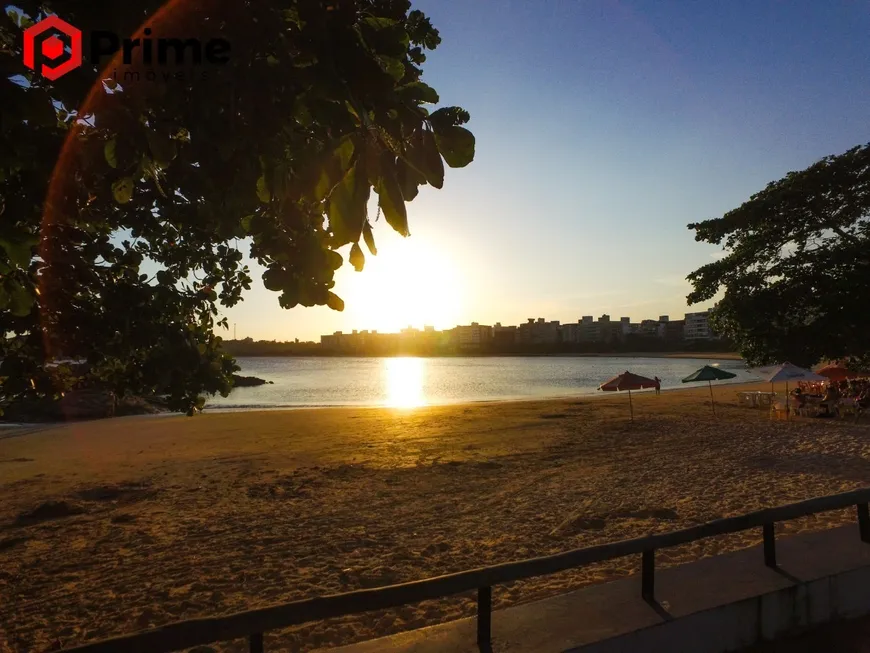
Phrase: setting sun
x=410 y=282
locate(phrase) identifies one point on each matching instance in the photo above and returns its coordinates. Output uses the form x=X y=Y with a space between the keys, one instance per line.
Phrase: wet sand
x=120 y=525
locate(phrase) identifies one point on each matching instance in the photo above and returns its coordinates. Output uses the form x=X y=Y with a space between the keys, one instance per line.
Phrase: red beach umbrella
x=627 y=381
x=838 y=373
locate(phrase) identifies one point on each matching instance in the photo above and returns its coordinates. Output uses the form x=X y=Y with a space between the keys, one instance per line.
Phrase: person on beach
x=658 y=385
x=829 y=401
x=800 y=398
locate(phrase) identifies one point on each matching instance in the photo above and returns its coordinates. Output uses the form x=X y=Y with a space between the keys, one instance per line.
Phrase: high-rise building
x=504 y=336
x=697 y=326
x=540 y=332
x=473 y=336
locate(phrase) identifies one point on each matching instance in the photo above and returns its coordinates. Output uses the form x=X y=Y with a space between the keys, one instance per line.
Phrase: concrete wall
x=739 y=625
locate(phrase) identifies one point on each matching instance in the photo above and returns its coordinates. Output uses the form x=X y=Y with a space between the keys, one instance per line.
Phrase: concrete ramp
x=722 y=603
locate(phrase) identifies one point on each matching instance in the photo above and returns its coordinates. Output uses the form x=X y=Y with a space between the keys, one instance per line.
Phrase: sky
x=603 y=128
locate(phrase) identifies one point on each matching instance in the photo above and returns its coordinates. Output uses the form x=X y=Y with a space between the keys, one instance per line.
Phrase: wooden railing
x=253 y=623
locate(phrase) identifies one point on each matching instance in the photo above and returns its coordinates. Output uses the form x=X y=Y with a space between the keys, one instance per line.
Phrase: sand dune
x=114 y=526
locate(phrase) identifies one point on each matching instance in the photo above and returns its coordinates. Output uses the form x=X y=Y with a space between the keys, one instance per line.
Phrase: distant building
x=649 y=328
x=608 y=330
x=504 y=336
x=697 y=326
x=625 y=328
x=604 y=330
x=473 y=336
x=533 y=332
x=663 y=326
x=570 y=332
x=674 y=330
x=588 y=329
x=539 y=332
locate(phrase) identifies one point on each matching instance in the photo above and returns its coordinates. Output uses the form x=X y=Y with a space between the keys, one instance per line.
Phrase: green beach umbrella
x=709 y=374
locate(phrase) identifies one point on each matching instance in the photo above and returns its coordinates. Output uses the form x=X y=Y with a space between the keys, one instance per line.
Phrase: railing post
x=864 y=522
x=484 y=619
x=769 y=545
x=256 y=642
x=648 y=575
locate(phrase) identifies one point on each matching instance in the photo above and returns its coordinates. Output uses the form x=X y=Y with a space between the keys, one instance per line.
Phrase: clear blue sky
x=603 y=128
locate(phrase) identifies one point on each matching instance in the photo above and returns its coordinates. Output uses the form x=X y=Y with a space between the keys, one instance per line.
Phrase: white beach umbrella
x=787 y=372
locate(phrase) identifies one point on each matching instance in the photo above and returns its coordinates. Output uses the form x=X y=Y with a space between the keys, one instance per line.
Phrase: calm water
x=409 y=382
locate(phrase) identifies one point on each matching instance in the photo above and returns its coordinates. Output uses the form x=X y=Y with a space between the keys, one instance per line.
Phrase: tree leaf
x=432 y=157
x=20 y=301
x=418 y=92
x=393 y=67
x=369 y=238
x=334 y=302
x=409 y=180
x=344 y=151
x=423 y=155
x=390 y=197
x=334 y=260
x=109 y=152
x=122 y=190
x=347 y=205
x=276 y=278
x=448 y=117
x=263 y=192
x=385 y=36
x=19 y=253
x=334 y=168
x=379 y=22
x=456 y=145
x=357 y=258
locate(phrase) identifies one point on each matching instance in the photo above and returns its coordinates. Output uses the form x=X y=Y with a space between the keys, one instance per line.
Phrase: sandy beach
x=119 y=525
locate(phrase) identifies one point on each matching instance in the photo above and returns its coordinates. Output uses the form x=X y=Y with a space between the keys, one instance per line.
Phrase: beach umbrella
x=628 y=381
x=709 y=374
x=839 y=373
x=788 y=372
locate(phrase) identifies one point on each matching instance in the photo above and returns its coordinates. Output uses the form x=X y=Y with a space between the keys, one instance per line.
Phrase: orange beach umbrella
x=628 y=381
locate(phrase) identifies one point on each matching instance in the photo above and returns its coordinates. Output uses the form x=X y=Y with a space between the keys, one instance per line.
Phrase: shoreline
x=712 y=355
x=577 y=396
x=591 y=394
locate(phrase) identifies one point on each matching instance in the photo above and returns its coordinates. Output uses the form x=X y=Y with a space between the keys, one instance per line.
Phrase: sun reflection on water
x=404 y=380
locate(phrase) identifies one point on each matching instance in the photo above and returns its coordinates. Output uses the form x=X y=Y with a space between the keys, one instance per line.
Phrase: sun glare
x=409 y=283
x=404 y=382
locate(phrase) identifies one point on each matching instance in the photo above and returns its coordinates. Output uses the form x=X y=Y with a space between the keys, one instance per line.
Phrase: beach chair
x=744 y=399
x=847 y=407
x=766 y=399
x=804 y=411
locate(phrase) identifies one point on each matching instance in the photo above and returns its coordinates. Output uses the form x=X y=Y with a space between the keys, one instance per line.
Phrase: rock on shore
x=247 y=381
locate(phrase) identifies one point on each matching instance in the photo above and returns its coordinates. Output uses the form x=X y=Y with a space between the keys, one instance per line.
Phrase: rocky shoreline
x=248 y=381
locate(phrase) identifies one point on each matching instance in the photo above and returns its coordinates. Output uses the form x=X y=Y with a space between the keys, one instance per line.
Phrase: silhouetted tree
x=125 y=199
x=796 y=272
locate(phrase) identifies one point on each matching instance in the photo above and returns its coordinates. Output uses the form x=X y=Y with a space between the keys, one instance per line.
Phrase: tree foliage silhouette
x=125 y=216
x=796 y=270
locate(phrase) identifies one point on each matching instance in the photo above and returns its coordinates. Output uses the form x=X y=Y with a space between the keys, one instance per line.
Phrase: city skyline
x=602 y=131
x=615 y=319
